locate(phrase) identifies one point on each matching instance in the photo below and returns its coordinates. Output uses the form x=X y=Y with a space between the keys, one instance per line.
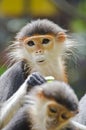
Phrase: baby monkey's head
x=54 y=105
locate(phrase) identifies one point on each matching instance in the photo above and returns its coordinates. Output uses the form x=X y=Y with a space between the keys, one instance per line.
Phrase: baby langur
x=47 y=107
x=41 y=44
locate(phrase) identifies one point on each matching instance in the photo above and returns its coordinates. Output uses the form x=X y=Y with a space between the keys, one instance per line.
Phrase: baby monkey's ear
x=61 y=37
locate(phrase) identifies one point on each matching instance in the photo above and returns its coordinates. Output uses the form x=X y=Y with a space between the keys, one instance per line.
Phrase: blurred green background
x=69 y=14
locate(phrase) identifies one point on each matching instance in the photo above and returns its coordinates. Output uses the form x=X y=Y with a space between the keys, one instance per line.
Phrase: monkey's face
x=57 y=115
x=43 y=48
x=53 y=116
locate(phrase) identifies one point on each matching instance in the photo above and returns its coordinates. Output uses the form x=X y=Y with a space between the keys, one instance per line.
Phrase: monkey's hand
x=35 y=79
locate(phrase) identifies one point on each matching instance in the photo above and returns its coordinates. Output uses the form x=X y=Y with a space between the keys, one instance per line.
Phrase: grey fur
x=81 y=117
x=39 y=27
x=64 y=94
x=11 y=80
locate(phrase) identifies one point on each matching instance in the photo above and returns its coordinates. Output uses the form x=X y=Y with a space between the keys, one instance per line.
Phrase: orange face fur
x=59 y=113
x=41 y=43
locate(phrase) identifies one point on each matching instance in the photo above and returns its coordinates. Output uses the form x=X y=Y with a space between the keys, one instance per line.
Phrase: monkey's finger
x=36 y=81
x=33 y=81
x=28 y=100
x=39 y=77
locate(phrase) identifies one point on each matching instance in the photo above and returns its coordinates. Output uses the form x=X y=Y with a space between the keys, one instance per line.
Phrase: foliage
x=79 y=25
x=2 y=69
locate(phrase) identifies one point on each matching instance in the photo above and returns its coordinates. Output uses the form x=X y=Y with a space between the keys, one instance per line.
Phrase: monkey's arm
x=73 y=125
x=11 y=106
x=11 y=80
x=81 y=117
x=19 y=121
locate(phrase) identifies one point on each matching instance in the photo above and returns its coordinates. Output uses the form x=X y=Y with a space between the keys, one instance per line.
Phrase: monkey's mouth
x=52 y=124
x=40 y=61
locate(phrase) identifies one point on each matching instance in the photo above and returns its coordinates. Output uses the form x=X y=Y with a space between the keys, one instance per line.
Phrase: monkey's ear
x=61 y=37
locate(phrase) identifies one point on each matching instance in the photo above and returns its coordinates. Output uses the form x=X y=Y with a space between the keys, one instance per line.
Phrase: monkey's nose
x=39 y=51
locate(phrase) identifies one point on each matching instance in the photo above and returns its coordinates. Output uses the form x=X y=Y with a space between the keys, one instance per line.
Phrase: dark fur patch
x=63 y=95
x=41 y=27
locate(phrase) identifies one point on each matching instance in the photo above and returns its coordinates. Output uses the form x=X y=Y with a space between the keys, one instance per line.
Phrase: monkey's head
x=39 y=41
x=54 y=104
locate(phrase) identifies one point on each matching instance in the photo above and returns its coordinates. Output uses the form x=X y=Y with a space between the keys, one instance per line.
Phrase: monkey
x=39 y=46
x=48 y=106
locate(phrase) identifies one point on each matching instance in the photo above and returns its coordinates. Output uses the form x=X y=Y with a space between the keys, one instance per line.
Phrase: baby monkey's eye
x=53 y=110
x=45 y=41
x=30 y=43
x=64 y=116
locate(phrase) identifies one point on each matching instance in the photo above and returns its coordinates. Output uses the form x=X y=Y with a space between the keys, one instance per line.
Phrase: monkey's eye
x=53 y=110
x=30 y=43
x=45 y=41
x=64 y=116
